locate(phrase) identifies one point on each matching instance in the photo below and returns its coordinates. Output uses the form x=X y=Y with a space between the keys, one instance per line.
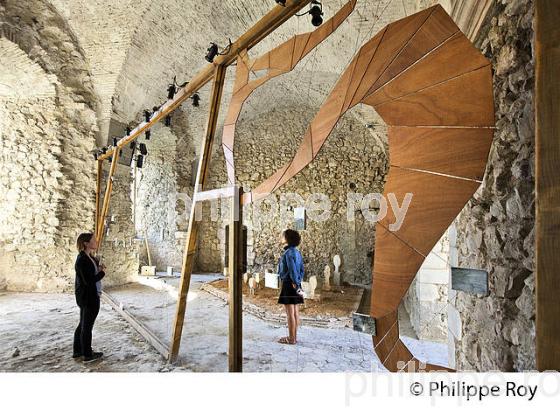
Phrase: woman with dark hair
x=290 y=271
x=88 y=273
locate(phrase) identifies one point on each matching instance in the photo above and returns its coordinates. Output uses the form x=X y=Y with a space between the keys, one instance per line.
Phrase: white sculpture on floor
x=312 y=286
x=327 y=277
x=257 y=277
x=336 y=263
x=252 y=286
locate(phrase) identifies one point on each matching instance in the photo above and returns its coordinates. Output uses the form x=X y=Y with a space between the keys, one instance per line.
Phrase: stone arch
x=48 y=133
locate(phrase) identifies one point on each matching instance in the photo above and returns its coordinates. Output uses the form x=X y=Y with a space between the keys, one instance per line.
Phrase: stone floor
x=36 y=335
x=36 y=332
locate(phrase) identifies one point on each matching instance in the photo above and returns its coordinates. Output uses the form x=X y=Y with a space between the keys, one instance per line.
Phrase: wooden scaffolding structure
x=214 y=72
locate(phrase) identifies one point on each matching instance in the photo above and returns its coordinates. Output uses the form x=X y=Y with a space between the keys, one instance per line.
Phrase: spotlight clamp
x=213 y=51
x=316 y=12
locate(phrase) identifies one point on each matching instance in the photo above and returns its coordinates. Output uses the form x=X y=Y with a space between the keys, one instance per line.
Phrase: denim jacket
x=290 y=265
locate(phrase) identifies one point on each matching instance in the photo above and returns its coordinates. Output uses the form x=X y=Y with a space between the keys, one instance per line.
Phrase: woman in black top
x=88 y=273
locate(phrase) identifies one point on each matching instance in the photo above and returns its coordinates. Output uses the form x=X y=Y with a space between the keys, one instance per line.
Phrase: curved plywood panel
x=276 y=62
x=434 y=90
x=460 y=152
x=460 y=101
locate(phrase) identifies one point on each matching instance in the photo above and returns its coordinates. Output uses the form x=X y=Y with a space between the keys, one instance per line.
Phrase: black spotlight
x=172 y=89
x=147 y=115
x=168 y=121
x=195 y=100
x=143 y=149
x=148 y=135
x=115 y=141
x=133 y=145
x=316 y=12
x=212 y=52
x=139 y=161
x=104 y=150
x=95 y=155
x=128 y=130
x=281 y=2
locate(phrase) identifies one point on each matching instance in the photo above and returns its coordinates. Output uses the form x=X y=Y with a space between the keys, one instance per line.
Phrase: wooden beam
x=107 y=198
x=147 y=247
x=98 y=195
x=270 y=22
x=547 y=201
x=144 y=331
x=201 y=176
x=235 y=351
x=227 y=192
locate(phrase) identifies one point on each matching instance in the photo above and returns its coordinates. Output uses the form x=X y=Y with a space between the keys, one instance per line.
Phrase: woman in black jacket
x=88 y=273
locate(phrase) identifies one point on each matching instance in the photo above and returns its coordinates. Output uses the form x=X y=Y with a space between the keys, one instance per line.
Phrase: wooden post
x=147 y=247
x=107 y=197
x=235 y=284
x=98 y=194
x=134 y=192
x=190 y=246
x=547 y=186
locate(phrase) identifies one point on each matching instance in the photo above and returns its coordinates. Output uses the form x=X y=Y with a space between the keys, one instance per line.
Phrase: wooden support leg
x=235 y=284
x=98 y=195
x=547 y=202
x=107 y=198
x=190 y=246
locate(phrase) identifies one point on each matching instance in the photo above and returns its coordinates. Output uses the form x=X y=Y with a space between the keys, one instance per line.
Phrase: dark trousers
x=82 y=334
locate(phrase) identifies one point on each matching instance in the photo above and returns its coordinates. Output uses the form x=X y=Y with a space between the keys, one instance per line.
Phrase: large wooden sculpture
x=280 y=60
x=434 y=91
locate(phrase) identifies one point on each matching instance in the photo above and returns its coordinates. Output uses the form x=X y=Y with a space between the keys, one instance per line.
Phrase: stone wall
x=426 y=299
x=157 y=200
x=47 y=134
x=495 y=230
x=119 y=250
x=32 y=189
x=352 y=155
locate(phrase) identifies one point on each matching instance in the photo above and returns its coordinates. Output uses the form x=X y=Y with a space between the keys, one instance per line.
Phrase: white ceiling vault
x=135 y=48
x=20 y=77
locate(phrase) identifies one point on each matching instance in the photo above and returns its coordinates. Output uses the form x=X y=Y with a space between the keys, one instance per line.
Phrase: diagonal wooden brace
x=190 y=246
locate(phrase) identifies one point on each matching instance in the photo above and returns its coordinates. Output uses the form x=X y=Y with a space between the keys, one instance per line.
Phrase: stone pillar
x=426 y=301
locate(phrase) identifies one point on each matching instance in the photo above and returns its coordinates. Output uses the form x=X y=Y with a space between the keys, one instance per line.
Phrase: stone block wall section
x=495 y=230
x=426 y=300
x=157 y=199
x=352 y=155
x=47 y=189
x=120 y=249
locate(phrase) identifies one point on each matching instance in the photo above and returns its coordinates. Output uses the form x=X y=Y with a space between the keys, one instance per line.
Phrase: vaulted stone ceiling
x=20 y=77
x=135 y=48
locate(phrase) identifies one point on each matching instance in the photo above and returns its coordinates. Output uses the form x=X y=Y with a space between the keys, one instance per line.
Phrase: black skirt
x=288 y=294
